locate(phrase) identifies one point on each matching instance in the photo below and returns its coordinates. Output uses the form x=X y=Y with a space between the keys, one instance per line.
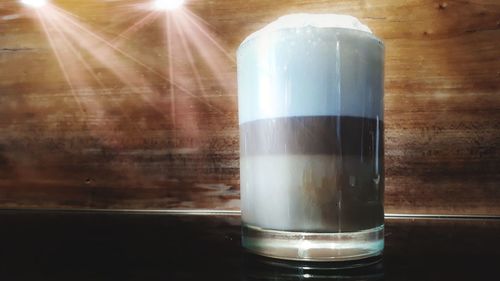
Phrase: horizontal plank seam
x=208 y=212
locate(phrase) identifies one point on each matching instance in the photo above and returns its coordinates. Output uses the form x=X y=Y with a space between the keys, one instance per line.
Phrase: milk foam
x=311 y=65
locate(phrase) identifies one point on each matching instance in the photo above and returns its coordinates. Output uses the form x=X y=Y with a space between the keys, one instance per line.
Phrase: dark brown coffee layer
x=337 y=135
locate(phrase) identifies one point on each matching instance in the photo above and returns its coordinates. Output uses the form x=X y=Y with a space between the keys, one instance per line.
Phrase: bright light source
x=34 y=3
x=168 y=4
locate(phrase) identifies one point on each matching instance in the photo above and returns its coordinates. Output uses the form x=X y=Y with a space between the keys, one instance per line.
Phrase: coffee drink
x=311 y=135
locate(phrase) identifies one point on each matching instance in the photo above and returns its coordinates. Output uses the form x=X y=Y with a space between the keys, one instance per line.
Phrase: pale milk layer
x=311 y=193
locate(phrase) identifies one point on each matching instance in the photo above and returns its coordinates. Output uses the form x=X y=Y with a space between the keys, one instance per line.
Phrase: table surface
x=40 y=245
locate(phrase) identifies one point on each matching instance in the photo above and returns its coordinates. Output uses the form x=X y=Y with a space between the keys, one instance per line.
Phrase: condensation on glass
x=310 y=93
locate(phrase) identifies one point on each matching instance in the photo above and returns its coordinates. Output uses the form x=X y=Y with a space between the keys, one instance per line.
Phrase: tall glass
x=310 y=92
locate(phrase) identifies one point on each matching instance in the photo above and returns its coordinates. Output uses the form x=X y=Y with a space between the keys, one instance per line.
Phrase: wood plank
x=120 y=135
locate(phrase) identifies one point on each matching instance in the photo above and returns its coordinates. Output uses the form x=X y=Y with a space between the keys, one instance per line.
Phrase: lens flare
x=34 y=3
x=168 y=4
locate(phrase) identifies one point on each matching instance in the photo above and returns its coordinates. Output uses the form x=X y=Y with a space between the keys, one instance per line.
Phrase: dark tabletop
x=110 y=246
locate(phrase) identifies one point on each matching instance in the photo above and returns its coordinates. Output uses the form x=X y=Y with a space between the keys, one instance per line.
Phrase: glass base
x=313 y=246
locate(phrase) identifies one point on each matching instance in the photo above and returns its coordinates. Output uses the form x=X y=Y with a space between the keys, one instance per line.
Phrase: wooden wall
x=114 y=133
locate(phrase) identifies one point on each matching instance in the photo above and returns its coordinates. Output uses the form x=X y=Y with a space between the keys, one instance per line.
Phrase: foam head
x=311 y=65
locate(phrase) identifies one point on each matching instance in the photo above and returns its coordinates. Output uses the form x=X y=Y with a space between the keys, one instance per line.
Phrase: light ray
x=180 y=29
x=118 y=50
x=206 y=23
x=207 y=35
x=86 y=30
x=59 y=61
x=171 y=72
x=69 y=14
x=189 y=54
x=87 y=67
x=70 y=42
x=211 y=56
x=150 y=17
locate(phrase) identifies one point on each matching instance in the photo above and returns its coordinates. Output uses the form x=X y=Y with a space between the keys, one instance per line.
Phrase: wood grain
x=143 y=142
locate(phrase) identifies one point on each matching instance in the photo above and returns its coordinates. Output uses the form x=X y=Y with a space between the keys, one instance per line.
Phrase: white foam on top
x=312 y=20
